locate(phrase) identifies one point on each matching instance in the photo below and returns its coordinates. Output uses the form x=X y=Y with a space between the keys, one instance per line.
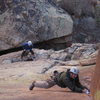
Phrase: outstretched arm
x=71 y=85
x=78 y=84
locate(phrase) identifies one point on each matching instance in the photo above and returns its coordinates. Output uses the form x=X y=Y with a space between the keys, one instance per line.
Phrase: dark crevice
x=10 y=50
x=41 y=45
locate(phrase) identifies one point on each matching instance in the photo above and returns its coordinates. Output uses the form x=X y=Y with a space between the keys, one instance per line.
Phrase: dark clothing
x=25 y=53
x=64 y=80
x=26 y=46
x=26 y=49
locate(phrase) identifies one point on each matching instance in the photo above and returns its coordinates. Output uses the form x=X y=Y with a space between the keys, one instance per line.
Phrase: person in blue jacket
x=27 y=47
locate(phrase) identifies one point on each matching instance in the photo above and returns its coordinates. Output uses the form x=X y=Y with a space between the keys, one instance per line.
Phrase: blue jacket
x=25 y=46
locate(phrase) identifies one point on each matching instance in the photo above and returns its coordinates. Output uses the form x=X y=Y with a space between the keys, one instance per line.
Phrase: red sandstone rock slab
x=95 y=86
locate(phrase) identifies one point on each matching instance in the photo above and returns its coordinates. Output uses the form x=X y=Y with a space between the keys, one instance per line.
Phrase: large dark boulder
x=35 y=20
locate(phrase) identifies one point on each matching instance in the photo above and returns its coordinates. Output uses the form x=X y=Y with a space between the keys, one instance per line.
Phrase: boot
x=31 y=86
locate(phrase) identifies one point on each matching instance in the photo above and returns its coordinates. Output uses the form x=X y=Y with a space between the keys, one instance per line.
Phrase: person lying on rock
x=27 y=48
x=66 y=79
